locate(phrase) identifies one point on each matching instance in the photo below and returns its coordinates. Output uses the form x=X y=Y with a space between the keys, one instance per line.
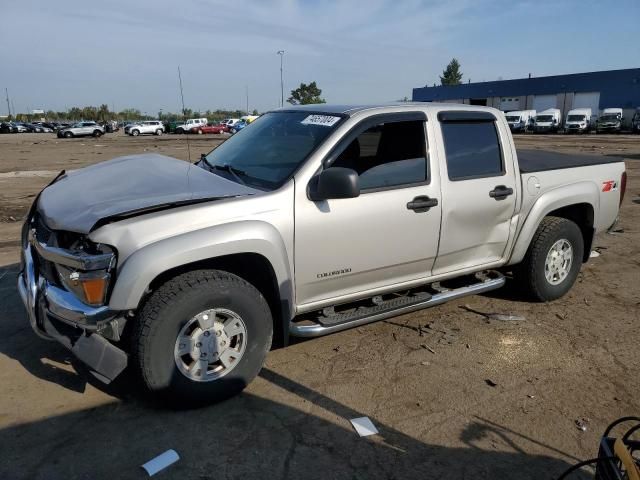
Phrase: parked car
x=189 y=282
x=236 y=127
x=190 y=124
x=210 y=128
x=153 y=127
x=521 y=120
x=635 y=121
x=81 y=129
x=548 y=121
x=610 y=121
x=579 y=120
x=8 y=127
x=230 y=122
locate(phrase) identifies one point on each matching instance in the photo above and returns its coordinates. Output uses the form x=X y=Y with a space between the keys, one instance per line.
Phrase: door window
x=387 y=155
x=472 y=150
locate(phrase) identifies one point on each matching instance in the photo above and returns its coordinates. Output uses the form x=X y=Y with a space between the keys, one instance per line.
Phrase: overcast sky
x=59 y=54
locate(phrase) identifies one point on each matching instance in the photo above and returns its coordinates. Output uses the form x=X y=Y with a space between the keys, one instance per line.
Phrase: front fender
x=562 y=196
x=143 y=266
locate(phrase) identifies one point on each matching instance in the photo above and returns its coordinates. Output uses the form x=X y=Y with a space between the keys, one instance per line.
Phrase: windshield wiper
x=232 y=170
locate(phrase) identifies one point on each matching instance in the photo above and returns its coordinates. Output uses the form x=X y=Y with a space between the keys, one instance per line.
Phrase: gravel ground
x=454 y=395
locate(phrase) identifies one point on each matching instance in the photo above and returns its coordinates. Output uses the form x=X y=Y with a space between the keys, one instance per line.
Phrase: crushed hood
x=126 y=185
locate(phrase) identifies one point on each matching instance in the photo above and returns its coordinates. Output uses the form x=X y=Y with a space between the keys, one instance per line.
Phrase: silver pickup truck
x=309 y=221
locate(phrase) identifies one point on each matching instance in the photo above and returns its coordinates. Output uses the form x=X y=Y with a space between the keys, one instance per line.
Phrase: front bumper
x=56 y=314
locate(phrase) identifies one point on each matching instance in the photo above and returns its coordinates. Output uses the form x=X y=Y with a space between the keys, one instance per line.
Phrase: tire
x=68 y=134
x=135 y=133
x=159 y=132
x=179 y=131
x=97 y=133
x=534 y=272
x=171 y=309
x=233 y=130
x=199 y=131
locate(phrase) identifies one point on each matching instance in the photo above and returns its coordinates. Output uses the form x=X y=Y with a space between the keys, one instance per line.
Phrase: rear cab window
x=472 y=147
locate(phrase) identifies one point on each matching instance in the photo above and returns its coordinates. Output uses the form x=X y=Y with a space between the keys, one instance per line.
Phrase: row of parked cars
x=192 y=125
x=578 y=120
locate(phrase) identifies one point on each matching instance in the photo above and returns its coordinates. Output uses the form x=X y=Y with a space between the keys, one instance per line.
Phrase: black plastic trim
x=465 y=116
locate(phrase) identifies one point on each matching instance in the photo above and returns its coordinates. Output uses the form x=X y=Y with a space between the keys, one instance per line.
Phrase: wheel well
x=252 y=267
x=582 y=215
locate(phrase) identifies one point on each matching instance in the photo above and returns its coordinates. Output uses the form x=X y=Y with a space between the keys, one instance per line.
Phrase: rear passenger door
x=478 y=189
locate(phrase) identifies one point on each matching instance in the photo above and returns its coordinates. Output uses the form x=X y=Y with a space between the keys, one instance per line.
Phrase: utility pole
x=6 y=91
x=281 y=53
x=247 y=92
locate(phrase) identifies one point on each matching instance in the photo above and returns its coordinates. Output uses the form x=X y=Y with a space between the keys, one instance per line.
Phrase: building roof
x=619 y=88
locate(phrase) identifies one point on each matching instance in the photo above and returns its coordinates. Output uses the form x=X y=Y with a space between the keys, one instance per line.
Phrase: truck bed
x=531 y=161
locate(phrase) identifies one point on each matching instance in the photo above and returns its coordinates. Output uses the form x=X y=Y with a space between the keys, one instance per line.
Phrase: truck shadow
x=295 y=433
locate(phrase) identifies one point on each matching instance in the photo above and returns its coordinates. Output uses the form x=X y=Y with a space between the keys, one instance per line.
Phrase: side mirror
x=335 y=182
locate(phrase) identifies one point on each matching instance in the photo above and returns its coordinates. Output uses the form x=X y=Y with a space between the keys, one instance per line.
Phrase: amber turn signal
x=94 y=289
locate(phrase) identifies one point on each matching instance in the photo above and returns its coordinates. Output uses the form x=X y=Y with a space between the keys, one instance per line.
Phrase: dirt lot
x=467 y=398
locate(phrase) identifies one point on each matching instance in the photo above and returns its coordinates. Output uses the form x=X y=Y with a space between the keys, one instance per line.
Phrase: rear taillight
x=623 y=186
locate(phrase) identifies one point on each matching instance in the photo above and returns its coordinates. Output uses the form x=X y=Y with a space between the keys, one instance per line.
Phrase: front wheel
x=553 y=260
x=159 y=132
x=202 y=337
x=97 y=133
x=68 y=134
x=135 y=133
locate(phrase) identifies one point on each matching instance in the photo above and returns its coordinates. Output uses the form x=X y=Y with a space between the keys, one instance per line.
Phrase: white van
x=520 y=120
x=579 y=120
x=610 y=121
x=548 y=120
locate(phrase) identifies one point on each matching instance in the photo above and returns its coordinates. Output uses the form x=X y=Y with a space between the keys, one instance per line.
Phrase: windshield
x=575 y=118
x=513 y=119
x=609 y=118
x=544 y=118
x=266 y=152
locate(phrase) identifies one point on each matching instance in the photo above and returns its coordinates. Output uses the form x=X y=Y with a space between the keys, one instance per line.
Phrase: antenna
x=184 y=113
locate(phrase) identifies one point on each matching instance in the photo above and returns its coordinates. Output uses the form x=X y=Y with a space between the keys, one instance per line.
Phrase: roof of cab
x=349 y=110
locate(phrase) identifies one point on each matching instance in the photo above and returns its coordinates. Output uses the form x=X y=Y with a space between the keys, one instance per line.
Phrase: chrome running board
x=318 y=330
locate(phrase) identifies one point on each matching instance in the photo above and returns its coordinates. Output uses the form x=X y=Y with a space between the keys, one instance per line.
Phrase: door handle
x=422 y=204
x=500 y=192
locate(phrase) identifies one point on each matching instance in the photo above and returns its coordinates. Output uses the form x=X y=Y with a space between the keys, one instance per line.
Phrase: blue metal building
x=597 y=90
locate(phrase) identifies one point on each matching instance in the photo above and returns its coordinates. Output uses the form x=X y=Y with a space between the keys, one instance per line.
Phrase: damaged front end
x=64 y=283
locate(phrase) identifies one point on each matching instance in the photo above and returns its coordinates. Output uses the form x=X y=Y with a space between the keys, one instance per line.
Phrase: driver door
x=346 y=248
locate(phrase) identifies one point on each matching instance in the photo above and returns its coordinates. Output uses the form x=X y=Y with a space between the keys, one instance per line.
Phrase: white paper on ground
x=364 y=426
x=594 y=254
x=161 y=462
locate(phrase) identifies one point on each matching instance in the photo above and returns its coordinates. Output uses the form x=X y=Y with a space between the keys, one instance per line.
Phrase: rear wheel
x=553 y=260
x=68 y=134
x=199 y=131
x=179 y=131
x=159 y=132
x=97 y=133
x=201 y=337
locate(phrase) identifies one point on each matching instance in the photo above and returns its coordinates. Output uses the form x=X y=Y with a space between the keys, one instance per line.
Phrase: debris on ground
x=617 y=231
x=425 y=364
x=427 y=347
x=560 y=316
x=502 y=317
x=490 y=382
x=581 y=424
x=531 y=396
x=161 y=462
x=594 y=254
x=363 y=426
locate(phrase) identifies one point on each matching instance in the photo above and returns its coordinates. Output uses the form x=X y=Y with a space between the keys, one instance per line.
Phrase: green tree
x=306 y=94
x=103 y=112
x=255 y=112
x=452 y=74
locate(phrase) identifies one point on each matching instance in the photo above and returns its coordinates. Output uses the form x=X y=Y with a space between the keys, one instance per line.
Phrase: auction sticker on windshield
x=323 y=120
